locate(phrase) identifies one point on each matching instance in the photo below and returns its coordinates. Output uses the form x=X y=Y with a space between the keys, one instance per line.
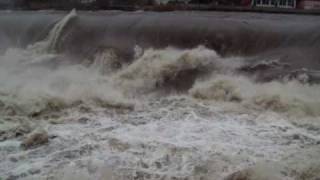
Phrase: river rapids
x=159 y=96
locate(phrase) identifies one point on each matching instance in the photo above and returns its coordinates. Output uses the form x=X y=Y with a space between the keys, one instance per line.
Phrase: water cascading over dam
x=147 y=95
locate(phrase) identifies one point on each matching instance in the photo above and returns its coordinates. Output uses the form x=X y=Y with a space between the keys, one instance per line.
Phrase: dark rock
x=36 y=138
x=34 y=171
x=52 y=136
x=10 y=111
x=1 y=104
x=118 y=145
x=17 y=176
x=85 y=109
x=13 y=159
x=296 y=136
x=83 y=120
x=240 y=175
x=257 y=172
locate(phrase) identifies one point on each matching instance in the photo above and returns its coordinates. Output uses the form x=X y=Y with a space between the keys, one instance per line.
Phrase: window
x=291 y=3
x=287 y=3
x=282 y=2
x=259 y=2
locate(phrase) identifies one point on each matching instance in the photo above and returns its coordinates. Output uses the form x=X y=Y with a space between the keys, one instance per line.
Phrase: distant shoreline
x=235 y=9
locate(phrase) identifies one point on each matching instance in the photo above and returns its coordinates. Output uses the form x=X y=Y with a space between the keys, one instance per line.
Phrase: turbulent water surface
x=143 y=95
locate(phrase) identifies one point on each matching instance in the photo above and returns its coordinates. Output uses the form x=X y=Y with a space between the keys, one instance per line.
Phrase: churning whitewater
x=117 y=96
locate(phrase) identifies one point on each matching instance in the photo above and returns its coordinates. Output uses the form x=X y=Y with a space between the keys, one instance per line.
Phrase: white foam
x=292 y=97
x=167 y=137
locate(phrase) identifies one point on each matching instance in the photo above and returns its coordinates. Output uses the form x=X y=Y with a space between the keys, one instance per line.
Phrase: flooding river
x=146 y=95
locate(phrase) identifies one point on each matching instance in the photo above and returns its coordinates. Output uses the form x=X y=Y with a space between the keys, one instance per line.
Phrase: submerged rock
x=258 y=172
x=312 y=172
x=10 y=129
x=10 y=111
x=83 y=120
x=36 y=138
x=240 y=175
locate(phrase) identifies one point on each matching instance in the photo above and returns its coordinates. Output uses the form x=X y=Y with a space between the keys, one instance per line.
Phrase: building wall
x=246 y=3
x=130 y=2
x=5 y=4
x=59 y=4
x=309 y=4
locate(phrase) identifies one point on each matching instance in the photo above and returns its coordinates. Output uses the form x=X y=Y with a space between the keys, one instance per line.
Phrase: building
x=299 y=4
x=83 y=4
x=309 y=4
x=216 y=2
x=275 y=3
x=4 y=4
x=57 y=4
x=137 y=4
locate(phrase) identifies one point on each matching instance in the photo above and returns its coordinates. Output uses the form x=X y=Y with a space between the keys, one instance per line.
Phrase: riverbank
x=166 y=8
x=228 y=9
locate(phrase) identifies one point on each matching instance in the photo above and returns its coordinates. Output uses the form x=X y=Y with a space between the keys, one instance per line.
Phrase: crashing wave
x=291 y=97
x=170 y=69
x=50 y=44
